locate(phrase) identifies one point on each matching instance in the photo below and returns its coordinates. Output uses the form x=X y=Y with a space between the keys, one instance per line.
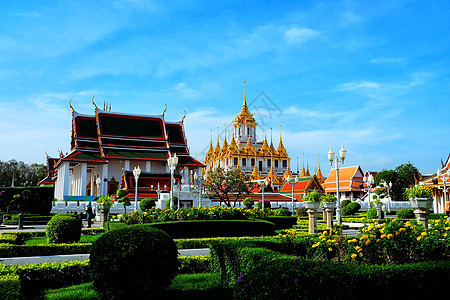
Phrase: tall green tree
x=24 y=174
x=402 y=177
x=227 y=185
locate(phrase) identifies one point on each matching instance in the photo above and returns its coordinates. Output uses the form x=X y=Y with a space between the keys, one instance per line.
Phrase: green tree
x=227 y=185
x=404 y=176
x=122 y=198
x=24 y=174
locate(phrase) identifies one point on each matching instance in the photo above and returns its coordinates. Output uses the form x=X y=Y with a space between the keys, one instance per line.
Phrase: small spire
x=245 y=100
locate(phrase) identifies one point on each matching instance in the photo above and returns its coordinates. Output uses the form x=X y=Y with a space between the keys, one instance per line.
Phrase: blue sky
x=371 y=75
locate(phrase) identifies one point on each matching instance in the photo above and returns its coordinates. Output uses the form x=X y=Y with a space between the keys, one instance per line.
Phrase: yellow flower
x=402 y=229
x=383 y=236
x=354 y=255
x=424 y=233
x=364 y=237
x=419 y=238
x=368 y=242
x=330 y=249
x=390 y=236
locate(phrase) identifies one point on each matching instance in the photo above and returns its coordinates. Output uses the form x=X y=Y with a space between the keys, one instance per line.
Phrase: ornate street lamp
x=136 y=173
x=292 y=182
x=199 y=182
x=98 y=181
x=337 y=162
x=264 y=184
x=172 y=162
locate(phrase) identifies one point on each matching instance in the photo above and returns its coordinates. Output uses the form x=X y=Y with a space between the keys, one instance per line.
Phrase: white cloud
x=300 y=34
x=356 y=85
x=386 y=60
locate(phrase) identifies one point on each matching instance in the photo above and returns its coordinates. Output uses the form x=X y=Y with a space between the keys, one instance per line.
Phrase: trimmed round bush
x=266 y=204
x=372 y=213
x=248 y=202
x=63 y=228
x=405 y=213
x=345 y=203
x=351 y=208
x=147 y=204
x=132 y=261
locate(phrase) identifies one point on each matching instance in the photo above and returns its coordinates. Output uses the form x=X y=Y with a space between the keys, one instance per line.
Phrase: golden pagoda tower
x=303 y=173
x=307 y=166
x=319 y=175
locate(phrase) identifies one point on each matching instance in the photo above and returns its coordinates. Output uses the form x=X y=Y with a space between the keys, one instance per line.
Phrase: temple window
x=244 y=162
x=284 y=163
x=235 y=161
x=252 y=162
x=260 y=166
x=276 y=163
x=268 y=163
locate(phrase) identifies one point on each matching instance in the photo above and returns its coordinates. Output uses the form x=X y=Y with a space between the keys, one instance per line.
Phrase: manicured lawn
x=187 y=286
x=43 y=239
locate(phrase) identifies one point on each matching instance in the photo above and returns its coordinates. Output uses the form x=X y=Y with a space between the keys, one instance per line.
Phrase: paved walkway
x=352 y=231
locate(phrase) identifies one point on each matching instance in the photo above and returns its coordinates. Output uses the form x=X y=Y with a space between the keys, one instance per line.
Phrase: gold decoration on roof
x=303 y=173
x=287 y=174
x=244 y=117
x=249 y=148
x=319 y=175
x=225 y=144
x=255 y=174
x=307 y=166
x=210 y=154
x=265 y=149
x=271 y=147
x=272 y=177
x=281 y=151
x=217 y=151
x=233 y=149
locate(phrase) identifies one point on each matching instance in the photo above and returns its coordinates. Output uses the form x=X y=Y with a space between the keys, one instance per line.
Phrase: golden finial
x=109 y=106
x=245 y=100
x=182 y=119
x=70 y=104
x=93 y=101
x=165 y=109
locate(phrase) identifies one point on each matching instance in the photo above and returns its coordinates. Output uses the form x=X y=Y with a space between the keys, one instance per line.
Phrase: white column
x=65 y=179
x=127 y=165
x=83 y=179
x=92 y=183
x=148 y=166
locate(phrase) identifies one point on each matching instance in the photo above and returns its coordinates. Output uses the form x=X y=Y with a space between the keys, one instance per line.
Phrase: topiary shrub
x=248 y=202
x=372 y=214
x=351 y=208
x=405 y=213
x=133 y=261
x=266 y=204
x=63 y=228
x=147 y=204
x=345 y=203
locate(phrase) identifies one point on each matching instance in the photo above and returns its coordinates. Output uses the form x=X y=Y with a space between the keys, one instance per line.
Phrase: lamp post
x=337 y=162
x=264 y=184
x=439 y=173
x=172 y=162
x=369 y=182
x=199 y=182
x=136 y=173
x=292 y=182
x=98 y=181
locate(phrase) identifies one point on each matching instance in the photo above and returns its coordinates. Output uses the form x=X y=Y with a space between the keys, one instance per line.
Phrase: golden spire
x=225 y=143
x=319 y=175
x=265 y=149
x=249 y=148
x=217 y=150
x=255 y=174
x=272 y=176
x=210 y=153
x=233 y=149
x=272 y=148
x=244 y=117
x=307 y=166
x=297 y=165
x=281 y=151
x=303 y=173
x=288 y=173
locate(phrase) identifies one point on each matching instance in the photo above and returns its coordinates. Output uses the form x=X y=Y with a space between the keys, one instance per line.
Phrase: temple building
x=439 y=183
x=107 y=146
x=258 y=159
x=350 y=179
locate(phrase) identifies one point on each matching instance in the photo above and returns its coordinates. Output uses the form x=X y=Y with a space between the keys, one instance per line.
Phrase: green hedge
x=209 y=228
x=25 y=280
x=194 y=264
x=282 y=222
x=297 y=278
x=9 y=250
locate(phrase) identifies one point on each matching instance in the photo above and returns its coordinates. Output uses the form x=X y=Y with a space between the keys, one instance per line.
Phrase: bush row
x=206 y=228
x=17 y=237
x=199 y=213
x=10 y=250
x=298 y=278
x=39 y=201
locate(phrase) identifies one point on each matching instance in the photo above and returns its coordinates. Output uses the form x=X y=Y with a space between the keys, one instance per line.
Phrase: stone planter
x=378 y=206
x=421 y=208
x=311 y=205
x=421 y=203
x=329 y=205
x=104 y=211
